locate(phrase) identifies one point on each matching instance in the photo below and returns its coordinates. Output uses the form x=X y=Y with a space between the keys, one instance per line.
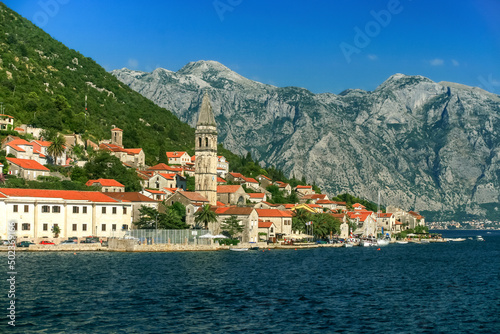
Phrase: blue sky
x=324 y=46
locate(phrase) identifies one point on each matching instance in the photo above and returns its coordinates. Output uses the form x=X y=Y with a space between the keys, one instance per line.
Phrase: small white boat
x=479 y=238
x=238 y=249
x=424 y=241
x=401 y=242
x=348 y=244
x=455 y=239
x=368 y=242
x=383 y=242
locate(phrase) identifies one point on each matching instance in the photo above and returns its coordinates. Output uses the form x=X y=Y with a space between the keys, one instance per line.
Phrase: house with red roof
x=257 y=197
x=6 y=122
x=40 y=147
x=160 y=180
x=387 y=222
x=106 y=185
x=251 y=183
x=282 y=219
x=247 y=217
x=264 y=181
x=235 y=177
x=267 y=227
x=232 y=194
x=26 y=168
x=284 y=187
x=133 y=157
x=366 y=222
x=304 y=190
x=178 y=158
x=220 y=181
x=156 y=194
x=77 y=213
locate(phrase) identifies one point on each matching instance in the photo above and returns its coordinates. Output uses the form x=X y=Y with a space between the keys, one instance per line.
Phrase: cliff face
x=432 y=147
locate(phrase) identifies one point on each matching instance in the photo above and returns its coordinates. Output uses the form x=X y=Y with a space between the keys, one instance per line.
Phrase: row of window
x=76 y=209
x=74 y=227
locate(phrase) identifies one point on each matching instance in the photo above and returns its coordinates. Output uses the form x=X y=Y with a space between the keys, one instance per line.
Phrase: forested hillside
x=44 y=83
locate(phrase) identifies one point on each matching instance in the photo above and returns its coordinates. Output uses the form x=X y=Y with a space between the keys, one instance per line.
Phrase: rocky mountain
x=432 y=147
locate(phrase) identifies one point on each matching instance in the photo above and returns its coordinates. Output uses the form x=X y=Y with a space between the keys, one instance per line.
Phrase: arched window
x=206 y=141
x=199 y=142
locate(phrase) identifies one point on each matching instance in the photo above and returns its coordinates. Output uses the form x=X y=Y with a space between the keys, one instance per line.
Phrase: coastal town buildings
x=106 y=185
x=34 y=212
x=27 y=169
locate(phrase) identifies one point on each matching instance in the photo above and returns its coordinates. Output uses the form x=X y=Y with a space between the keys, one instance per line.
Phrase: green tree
x=300 y=219
x=103 y=165
x=204 y=216
x=56 y=231
x=56 y=148
x=151 y=218
x=231 y=226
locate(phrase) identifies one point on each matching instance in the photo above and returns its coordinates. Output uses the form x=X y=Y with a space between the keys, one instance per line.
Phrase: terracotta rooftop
x=91 y=196
x=193 y=196
x=273 y=213
x=130 y=196
x=175 y=154
x=265 y=224
x=256 y=195
x=27 y=164
x=228 y=189
x=104 y=183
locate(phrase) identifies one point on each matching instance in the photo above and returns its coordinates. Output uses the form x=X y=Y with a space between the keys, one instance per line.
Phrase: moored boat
x=368 y=242
x=401 y=242
x=479 y=238
x=238 y=249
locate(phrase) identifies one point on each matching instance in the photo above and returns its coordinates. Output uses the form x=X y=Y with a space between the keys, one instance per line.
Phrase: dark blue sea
x=416 y=288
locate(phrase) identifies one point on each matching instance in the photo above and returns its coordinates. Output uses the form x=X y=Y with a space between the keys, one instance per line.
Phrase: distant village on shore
x=112 y=212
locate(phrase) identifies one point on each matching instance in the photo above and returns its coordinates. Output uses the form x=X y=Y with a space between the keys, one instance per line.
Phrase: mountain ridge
x=427 y=146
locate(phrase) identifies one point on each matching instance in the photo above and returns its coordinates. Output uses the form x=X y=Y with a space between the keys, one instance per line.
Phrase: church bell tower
x=205 y=176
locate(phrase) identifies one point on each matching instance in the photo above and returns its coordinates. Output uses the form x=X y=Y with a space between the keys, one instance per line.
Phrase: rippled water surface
x=431 y=288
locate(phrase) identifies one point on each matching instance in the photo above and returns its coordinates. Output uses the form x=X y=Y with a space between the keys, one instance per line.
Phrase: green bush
x=229 y=242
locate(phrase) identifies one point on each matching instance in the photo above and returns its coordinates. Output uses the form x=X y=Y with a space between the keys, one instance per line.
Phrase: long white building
x=35 y=212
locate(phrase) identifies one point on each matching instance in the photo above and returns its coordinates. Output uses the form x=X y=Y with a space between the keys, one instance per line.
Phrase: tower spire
x=206 y=116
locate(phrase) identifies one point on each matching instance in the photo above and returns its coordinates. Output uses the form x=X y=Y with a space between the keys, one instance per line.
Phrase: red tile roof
x=153 y=191
x=250 y=180
x=91 y=196
x=265 y=224
x=357 y=205
x=27 y=164
x=175 y=154
x=130 y=197
x=385 y=215
x=219 y=179
x=303 y=187
x=133 y=151
x=168 y=176
x=273 y=213
x=256 y=195
x=324 y=201
x=105 y=183
x=237 y=175
x=116 y=129
x=237 y=211
x=265 y=177
x=193 y=196
x=220 y=204
x=42 y=143
x=228 y=188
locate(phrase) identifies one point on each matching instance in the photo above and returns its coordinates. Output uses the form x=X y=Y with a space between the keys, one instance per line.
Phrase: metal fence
x=149 y=237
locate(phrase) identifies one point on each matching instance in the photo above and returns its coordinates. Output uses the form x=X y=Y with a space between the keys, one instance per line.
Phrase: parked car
x=4 y=242
x=73 y=238
x=25 y=244
x=89 y=241
x=45 y=242
x=71 y=242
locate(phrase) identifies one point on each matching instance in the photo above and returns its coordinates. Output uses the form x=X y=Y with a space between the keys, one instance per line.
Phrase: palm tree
x=205 y=216
x=56 y=148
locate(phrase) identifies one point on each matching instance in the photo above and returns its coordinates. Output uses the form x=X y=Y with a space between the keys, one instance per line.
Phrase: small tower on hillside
x=205 y=177
x=116 y=137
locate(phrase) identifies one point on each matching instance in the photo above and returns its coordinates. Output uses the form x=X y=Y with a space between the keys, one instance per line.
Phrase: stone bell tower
x=205 y=176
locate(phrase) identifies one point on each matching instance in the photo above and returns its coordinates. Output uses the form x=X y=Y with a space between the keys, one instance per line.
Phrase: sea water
x=449 y=287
